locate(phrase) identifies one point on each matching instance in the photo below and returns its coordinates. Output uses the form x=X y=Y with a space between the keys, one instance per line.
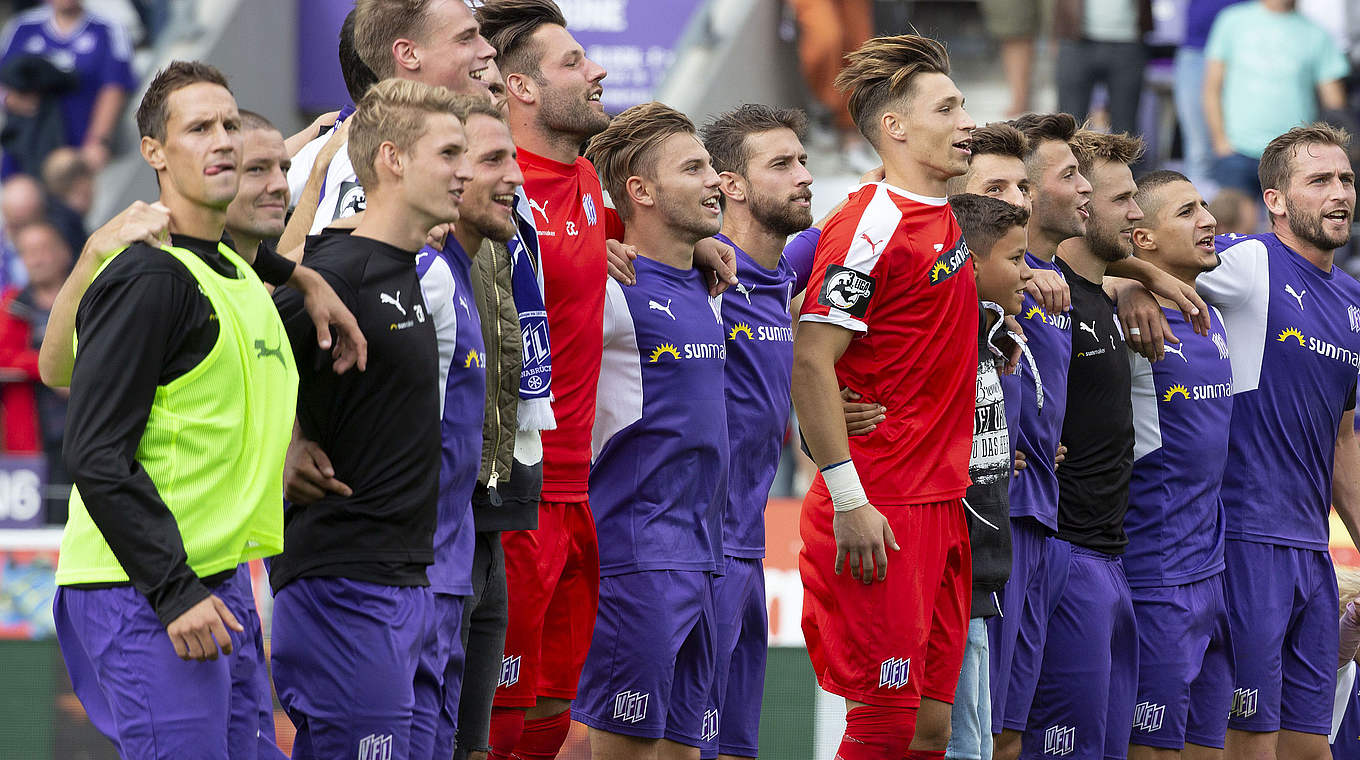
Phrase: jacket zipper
x=495 y=451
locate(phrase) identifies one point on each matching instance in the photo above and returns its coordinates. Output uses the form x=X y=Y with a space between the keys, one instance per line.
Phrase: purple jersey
x=446 y=281
x=96 y=51
x=759 y=366
x=658 y=476
x=1294 y=334
x=1034 y=493
x=1181 y=409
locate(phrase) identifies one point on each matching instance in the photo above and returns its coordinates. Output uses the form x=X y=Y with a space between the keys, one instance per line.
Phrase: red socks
x=507 y=723
x=542 y=738
x=878 y=733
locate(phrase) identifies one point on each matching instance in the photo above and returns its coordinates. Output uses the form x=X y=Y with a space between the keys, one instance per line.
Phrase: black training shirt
x=379 y=427
x=1093 y=482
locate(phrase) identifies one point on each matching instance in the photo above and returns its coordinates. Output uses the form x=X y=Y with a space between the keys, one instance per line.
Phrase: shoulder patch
x=847 y=290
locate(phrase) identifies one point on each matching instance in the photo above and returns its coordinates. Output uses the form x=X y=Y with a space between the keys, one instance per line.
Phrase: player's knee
x=931 y=738
x=873 y=732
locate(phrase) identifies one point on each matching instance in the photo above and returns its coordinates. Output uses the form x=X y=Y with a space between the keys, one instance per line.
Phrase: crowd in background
x=66 y=73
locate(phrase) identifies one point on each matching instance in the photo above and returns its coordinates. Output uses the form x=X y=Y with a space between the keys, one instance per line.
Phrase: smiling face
x=436 y=169
x=686 y=187
x=202 y=149
x=568 y=85
x=1318 y=202
x=1002 y=274
x=778 y=182
x=1114 y=212
x=261 y=202
x=1001 y=177
x=454 y=53
x=488 y=205
x=1062 y=195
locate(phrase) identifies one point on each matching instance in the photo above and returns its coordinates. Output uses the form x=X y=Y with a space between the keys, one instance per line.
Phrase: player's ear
x=892 y=126
x=732 y=186
x=153 y=152
x=522 y=87
x=406 y=54
x=390 y=157
x=1144 y=239
x=1275 y=202
x=639 y=191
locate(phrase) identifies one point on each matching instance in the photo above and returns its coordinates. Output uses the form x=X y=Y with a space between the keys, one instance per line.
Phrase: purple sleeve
x=799 y=253
x=117 y=65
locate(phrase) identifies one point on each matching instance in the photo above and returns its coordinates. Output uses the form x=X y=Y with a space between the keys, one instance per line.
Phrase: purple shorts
x=739 y=676
x=1015 y=638
x=1283 y=614
x=1083 y=707
x=1185 y=665
x=344 y=658
x=149 y=702
x=649 y=672
x=439 y=681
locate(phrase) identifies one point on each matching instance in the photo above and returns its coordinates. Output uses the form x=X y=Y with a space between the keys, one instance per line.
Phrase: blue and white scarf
x=535 y=379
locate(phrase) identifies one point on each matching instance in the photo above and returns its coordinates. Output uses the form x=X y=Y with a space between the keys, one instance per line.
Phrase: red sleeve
x=846 y=267
x=613 y=224
x=15 y=351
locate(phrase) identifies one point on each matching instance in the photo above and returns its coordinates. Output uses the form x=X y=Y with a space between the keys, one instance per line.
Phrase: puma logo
x=1297 y=295
x=1170 y=349
x=542 y=209
x=742 y=289
x=872 y=245
x=659 y=307
x=384 y=298
x=1091 y=328
x=262 y=350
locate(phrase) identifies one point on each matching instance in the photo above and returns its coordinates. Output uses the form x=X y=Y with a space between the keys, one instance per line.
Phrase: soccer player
x=892 y=270
x=1037 y=392
x=758 y=153
x=1174 y=561
x=176 y=457
x=645 y=688
x=1293 y=328
x=552 y=573
x=1084 y=700
x=353 y=602
x=997 y=231
x=997 y=166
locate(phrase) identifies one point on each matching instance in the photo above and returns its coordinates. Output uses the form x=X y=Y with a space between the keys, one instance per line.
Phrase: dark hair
x=626 y=148
x=1147 y=194
x=882 y=71
x=1278 y=159
x=358 y=76
x=152 y=114
x=985 y=220
x=253 y=120
x=509 y=26
x=1039 y=128
x=1000 y=139
x=725 y=136
x=1091 y=147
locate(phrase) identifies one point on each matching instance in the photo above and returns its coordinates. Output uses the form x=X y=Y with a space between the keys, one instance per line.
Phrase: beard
x=491 y=226
x=780 y=216
x=689 y=218
x=1107 y=244
x=1309 y=227
x=570 y=115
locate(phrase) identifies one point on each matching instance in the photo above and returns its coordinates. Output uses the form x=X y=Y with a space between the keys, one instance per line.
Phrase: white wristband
x=842 y=482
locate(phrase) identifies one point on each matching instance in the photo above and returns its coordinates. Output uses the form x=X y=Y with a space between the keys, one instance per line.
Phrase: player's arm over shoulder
x=341 y=268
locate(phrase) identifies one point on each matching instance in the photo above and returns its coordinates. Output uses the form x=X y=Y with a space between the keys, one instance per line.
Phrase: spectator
x=69 y=193
x=827 y=30
x=1014 y=24
x=1189 y=87
x=96 y=51
x=1101 y=42
x=21 y=204
x=1267 y=68
x=1236 y=212
x=34 y=414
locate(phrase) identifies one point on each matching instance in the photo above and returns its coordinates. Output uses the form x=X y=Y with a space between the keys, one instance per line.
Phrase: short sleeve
x=1331 y=62
x=117 y=64
x=845 y=269
x=1240 y=263
x=800 y=253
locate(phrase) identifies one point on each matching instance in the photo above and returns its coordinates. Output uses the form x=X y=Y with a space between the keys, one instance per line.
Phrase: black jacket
x=987 y=505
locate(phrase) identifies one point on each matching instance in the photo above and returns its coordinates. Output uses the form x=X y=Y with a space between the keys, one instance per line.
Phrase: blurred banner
x=22 y=479
x=635 y=40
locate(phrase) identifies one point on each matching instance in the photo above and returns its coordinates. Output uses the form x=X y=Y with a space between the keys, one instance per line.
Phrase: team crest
x=588 y=205
x=1354 y=313
x=847 y=290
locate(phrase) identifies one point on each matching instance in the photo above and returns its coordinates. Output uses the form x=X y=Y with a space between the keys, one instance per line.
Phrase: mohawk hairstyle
x=509 y=26
x=725 y=136
x=1091 y=147
x=1147 y=196
x=395 y=111
x=627 y=147
x=1278 y=159
x=883 y=70
x=1039 y=128
x=985 y=220
x=379 y=23
x=152 y=113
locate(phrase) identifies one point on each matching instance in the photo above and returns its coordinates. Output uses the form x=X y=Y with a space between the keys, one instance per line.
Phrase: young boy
x=995 y=230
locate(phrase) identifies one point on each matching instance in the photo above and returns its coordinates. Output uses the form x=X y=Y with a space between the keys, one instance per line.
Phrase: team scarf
x=535 y=378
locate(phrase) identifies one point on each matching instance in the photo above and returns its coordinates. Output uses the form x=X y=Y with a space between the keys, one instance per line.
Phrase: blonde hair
x=1091 y=147
x=379 y=23
x=1348 y=583
x=395 y=111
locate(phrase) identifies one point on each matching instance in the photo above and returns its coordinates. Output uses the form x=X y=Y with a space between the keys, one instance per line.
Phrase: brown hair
x=509 y=26
x=1039 y=128
x=152 y=114
x=395 y=111
x=379 y=23
x=627 y=147
x=63 y=168
x=1091 y=147
x=996 y=139
x=1278 y=159
x=725 y=136
x=985 y=220
x=882 y=71
x=253 y=120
